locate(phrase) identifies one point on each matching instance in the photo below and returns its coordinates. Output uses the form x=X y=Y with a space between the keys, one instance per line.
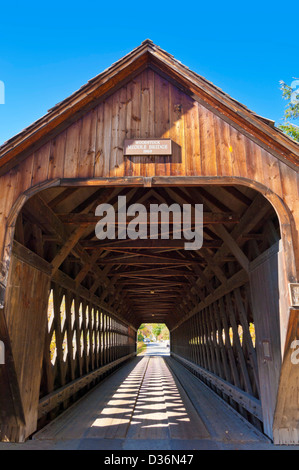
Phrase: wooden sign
x=147 y=147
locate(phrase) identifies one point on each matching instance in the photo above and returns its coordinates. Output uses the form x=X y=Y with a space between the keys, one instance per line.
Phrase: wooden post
x=286 y=418
x=25 y=316
x=264 y=287
x=11 y=409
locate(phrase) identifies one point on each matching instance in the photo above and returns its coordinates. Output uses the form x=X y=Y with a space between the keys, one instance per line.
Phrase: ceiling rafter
x=145 y=277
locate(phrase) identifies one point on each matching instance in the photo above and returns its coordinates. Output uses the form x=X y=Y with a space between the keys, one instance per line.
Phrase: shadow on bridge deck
x=151 y=403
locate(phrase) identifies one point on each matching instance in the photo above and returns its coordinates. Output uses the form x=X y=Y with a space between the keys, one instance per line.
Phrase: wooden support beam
x=251 y=217
x=12 y=418
x=213 y=266
x=67 y=248
x=237 y=280
x=246 y=336
x=160 y=272
x=25 y=318
x=247 y=401
x=233 y=246
x=57 y=397
x=156 y=259
x=62 y=196
x=223 y=233
x=141 y=244
x=31 y=258
x=87 y=267
x=24 y=254
x=286 y=418
x=90 y=219
x=42 y=214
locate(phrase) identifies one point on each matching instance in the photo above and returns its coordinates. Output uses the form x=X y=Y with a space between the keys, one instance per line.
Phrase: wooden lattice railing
x=83 y=343
x=218 y=345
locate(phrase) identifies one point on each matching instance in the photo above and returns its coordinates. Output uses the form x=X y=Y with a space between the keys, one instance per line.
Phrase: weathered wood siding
x=26 y=315
x=264 y=282
x=151 y=106
x=206 y=148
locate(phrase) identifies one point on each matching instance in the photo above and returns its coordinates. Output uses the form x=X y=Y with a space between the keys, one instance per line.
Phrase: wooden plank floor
x=151 y=403
x=146 y=404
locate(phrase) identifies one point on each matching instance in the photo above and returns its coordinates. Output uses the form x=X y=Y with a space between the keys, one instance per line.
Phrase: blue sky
x=49 y=50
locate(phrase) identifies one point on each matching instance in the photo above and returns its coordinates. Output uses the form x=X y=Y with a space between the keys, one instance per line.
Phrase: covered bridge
x=71 y=304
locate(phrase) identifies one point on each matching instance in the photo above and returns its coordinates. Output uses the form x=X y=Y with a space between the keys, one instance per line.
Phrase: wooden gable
x=163 y=98
x=76 y=154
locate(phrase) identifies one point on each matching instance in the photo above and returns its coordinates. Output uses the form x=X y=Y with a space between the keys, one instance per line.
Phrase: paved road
x=156 y=349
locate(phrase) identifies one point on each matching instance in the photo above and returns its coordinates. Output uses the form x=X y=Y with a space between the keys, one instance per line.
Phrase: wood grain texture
x=26 y=316
x=149 y=106
x=211 y=147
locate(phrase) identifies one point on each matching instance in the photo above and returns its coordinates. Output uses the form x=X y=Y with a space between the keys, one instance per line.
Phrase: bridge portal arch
x=234 y=162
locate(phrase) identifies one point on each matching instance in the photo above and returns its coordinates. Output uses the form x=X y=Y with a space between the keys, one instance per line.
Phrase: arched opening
x=100 y=291
x=153 y=338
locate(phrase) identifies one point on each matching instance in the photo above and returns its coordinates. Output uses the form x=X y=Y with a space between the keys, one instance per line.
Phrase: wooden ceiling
x=148 y=280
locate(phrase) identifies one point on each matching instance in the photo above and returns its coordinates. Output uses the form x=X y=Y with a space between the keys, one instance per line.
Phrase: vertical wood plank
x=87 y=145
x=119 y=167
x=41 y=164
x=57 y=155
x=26 y=318
x=223 y=147
x=176 y=132
x=238 y=154
x=162 y=122
x=99 y=152
x=72 y=150
x=135 y=93
x=208 y=146
x=192 y=139
x=147 y=124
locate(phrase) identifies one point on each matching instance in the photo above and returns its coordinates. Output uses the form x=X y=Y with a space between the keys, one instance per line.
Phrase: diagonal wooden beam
x=213 y=266
x=31 y=258
x=223 y=233
x=66 y=249
x=251 y=217
x=45 y=216
x=86 y=267
x=233 y=246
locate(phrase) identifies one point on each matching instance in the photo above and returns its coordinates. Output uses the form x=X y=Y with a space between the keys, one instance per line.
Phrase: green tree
x=144 y=331
x=157 y=327
x=161 y=331
x=291 y=94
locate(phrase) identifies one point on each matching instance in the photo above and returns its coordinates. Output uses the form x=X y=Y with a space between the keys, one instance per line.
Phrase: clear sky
x=48 y=50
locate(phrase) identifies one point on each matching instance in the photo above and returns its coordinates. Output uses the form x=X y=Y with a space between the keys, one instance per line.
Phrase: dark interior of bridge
x=102 y=290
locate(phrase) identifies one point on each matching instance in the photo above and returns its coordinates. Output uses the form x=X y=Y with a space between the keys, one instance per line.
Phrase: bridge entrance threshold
x=151 y=403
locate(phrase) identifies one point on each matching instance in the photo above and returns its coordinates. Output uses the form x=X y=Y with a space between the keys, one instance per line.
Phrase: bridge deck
x=151 y=403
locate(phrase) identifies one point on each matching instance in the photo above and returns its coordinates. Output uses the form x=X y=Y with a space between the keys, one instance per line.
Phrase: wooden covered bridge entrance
x=70 y=304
